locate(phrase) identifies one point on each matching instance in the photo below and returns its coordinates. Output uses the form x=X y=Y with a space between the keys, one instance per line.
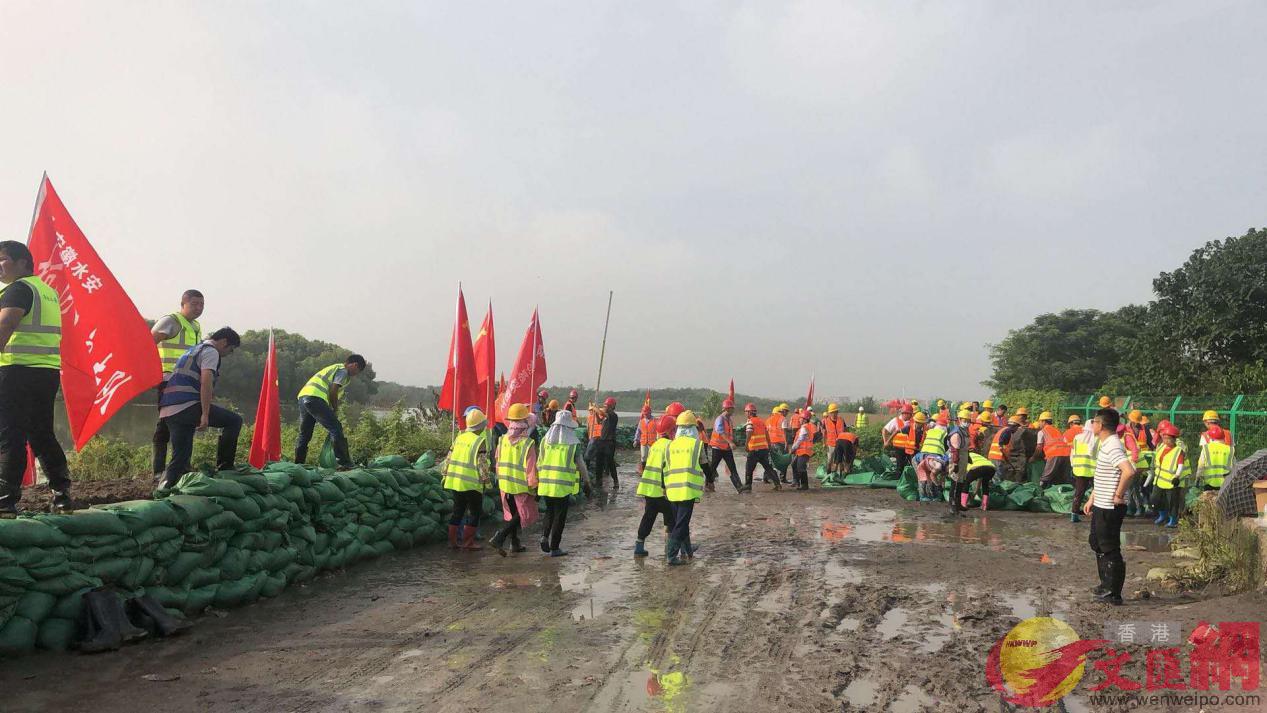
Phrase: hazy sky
x=868 y=191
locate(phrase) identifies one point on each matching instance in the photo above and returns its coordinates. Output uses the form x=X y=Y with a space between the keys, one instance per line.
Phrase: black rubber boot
x=101 y=627
x=514 y=544
x=120 y=614
x=150 y=615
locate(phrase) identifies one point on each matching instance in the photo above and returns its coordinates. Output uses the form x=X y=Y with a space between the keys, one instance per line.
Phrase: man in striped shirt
x=1107 y=507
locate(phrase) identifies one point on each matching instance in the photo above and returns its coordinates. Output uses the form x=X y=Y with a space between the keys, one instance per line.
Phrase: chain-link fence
x=1245 y=415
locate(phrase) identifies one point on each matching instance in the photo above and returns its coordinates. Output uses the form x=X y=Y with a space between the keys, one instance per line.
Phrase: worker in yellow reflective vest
x=30 y=375
x=860 y=422
x=1170 y=486
x=516 y=466
x=319 y=403
x=651 y=486
x=1215 y=461
x=561 y=474
x=465 y=473
x=1084 y=447
x=930 y=462
x=683 y=485
x=175 y=334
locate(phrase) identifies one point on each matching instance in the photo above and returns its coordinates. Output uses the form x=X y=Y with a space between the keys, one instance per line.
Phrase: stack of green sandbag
x=212 y=540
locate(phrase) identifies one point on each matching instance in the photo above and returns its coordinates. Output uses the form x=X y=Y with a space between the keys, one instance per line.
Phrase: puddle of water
x=860 y=693
x=836 y=574
x=873 y=526
x=892 y=623
x=849 y=624
x=600 y=590
x=1023 y=606
x=938 y=636
x=1151 y=541
x=912 y=700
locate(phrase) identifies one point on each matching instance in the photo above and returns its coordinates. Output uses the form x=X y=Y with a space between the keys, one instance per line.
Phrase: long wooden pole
x=602 y=352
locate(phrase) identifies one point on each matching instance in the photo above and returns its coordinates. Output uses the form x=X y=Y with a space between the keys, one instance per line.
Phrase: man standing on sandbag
x=319 y=403
x=191 y=385
x=174 y=334
x=30 y=375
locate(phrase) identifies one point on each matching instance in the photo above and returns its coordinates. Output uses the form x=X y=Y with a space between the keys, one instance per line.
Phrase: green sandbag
x=250 y=481
x=35 y=606
x=327 y=459
x=908 y=485
x=277 y=481
x=50 y=569
x=1021 y=496
x=29 y=532
x=390 y=462
x=203 y=577
x=863 y=478
x=1034 y=471
x=425 y=461
x=234 y=563
x=878 y=463
x=17 y=636
x=69 y=606
x=56 y=634
x=1060 y=498
x=169 y=597
x=200 y=598
x=180 y=567
x=273 y=585
x=193 y=508
x=14 y=580
x=109 y=570
x=224 y=521
x=70 y=582
x=139 y=574
x=199 y=484
x=34 y=557
x=142 y=514
x=244 y=508
x=1040 y=503
x=86 y=522
x=156 y=535
x=780 y=460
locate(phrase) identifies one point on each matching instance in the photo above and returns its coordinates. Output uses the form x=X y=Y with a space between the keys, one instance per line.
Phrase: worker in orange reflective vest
x=776 y=427
x=646 y=435
x=902 y=435
x=722 y=444
x=803 y=449
x=758 y=446
x=832 y=425
x=1056 y=450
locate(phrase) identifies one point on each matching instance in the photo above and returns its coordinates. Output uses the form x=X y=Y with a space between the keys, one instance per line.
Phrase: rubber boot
x=61 y=501
x=1173 y=521
x=101 y=630
x=1116 y=572
x=735 y=481
x=709 y=488
x=110 y=607
x=1100 y=589
x=985 y=502
x=150 y=615
x=615 y=483
x=455 y=532
x=1161 y=517
x=640 y=549
x=468 y=538
x=1075 y=517
x=499 y=544
x=558 y=553
x=545 y=544
x=515 y=545
x=671 y=553
x=963 y=501
x=688 y=549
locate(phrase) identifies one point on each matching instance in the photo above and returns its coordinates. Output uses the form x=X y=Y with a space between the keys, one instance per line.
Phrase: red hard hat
x=728 y=404
x=908 y=409
x=943 y=420
x=646 y=410
x=543 y=394
x=749 y=407
x=1170 y=429
x=609 y=402
x=573 y=395
x=675 y=409
x=665 y=425
x=1215 y=432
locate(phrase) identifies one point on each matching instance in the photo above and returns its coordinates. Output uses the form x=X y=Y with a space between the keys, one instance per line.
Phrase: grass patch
x=1229 y=552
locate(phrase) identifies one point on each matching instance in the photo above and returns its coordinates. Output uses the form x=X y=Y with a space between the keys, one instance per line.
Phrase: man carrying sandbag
x=193 y=383
x=319 y=403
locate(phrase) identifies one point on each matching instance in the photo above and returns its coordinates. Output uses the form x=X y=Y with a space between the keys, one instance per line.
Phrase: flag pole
x=602 y=352
x=532 y=365
x=457 y=373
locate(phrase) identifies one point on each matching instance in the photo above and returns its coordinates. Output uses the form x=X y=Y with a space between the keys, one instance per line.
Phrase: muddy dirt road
x=821 y=601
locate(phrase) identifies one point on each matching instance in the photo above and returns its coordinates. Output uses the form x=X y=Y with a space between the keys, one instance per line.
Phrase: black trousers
x=727 y=456
x=1169 y=499
x=512 y=526
x=843 y=453
x=652 y=508
x=312 y=411
x=1080 y=488
x=682 y=512
x=1106 y=542
x=26 y=416
x=982 y=474
x=902 y=459
x=606 y=456
x=800 y=472
x=470 y=503
x=555 y=518
x=761 y=456
x=183 y=425
x=161 y=435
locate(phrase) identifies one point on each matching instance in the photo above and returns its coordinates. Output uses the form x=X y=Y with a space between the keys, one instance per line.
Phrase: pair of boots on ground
x=1112 y=573
x=929 y=492
x=1170 y=519
x=675 y=551
x=108 y=622
x=960 y=502
x=462 y=535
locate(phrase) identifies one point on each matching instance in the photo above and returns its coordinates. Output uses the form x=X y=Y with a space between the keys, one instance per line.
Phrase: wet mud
x=831 y=600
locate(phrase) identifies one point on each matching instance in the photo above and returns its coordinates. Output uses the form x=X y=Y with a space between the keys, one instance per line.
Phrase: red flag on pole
x=460 y=389
x=646 y=400
x=809 y=398
x=732 y=390
x=529 y=371
x=486 y=363
x=108 y=355
x=28 y=477
x=266 y=442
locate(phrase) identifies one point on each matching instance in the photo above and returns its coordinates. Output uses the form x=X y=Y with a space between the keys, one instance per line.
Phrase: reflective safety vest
x=1072 y=433
x=319 y=384
x=907 y=437
x=721 y=441
x=795 y=421
x=1215 y=463
x=1082 y=455
x=861 y=422
x=512 y=475
x=1145 y=460
x=807 y=445
x=758 y=438
x=461 y=472
x=37 y=340
x=934 y=441
x=651 y=483
x=997 y=452
x=831 y=430
x=595 y=425
x=185 y=385
x=976 y=460
x=557 y=473
x=170 y=349
x=774 y=429
x=1168 y=467
x=684 y=480
x=1054 y=443
x=646 y=432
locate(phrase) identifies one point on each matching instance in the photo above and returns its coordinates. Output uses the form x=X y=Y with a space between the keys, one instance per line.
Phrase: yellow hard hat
x=782 y=408
x=686 y=418
x=964 y=413
x=1045 y=416
x=1210 y=416
x=1073 y=417
x=941 y=402
x=1144 y=419
x=517 y=412
x=987 y=404
x=985 y=418
x=914 y=402
x=475 y=417
x=833 y=408
x=920 y=417
x=1106 y=402
x=1022 y=411
x=1134 y=416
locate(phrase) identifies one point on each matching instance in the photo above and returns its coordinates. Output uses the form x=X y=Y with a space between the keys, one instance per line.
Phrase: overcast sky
x=871 y=192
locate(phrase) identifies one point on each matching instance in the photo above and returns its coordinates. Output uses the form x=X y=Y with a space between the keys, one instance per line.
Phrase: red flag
x=461 y=389
x=28 y=477
x=809 y=398
x=732 y=390
x=266 y=442
x=529 y=371
x=486 y=362
x=646 y=400
x=108 y=355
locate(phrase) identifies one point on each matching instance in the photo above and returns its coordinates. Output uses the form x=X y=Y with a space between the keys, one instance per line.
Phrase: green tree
x=298 y=358
x=1074 y=350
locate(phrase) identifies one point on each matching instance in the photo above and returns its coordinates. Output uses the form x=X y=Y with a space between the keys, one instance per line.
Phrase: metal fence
x=1245 y=415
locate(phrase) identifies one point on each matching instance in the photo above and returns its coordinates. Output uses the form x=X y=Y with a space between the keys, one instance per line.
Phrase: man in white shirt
x=1107 y=506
